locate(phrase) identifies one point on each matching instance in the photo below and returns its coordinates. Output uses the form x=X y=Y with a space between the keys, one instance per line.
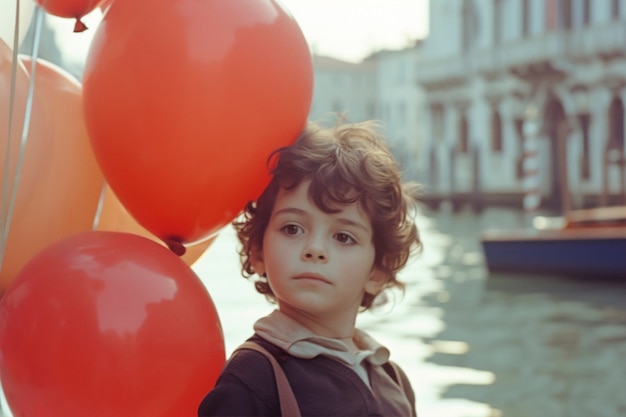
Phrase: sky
x=345 y=29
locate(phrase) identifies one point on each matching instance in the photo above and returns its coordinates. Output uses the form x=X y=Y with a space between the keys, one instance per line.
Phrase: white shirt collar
x=301 y=342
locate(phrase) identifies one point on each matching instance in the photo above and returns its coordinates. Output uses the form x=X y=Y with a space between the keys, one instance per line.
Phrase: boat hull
x=593 y=253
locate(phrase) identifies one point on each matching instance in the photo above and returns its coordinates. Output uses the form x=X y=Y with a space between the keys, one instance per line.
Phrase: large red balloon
x=108 y=324
x=185 y=100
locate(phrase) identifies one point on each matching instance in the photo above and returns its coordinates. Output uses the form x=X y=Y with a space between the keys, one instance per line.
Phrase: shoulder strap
x=288 y=404
x=394 y=373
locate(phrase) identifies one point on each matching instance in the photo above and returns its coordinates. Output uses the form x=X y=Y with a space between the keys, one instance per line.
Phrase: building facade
x=344 y=87
x=400 y=105
x=525 y=102
x=382 y=87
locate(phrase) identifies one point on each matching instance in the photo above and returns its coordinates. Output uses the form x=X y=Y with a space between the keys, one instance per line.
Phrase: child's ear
x=256 y=259
x=376 y=282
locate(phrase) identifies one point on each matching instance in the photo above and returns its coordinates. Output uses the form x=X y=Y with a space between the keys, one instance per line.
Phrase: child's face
x=317 y=263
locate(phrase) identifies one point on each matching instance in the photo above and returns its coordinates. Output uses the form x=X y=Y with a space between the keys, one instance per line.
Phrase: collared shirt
x=299 y=341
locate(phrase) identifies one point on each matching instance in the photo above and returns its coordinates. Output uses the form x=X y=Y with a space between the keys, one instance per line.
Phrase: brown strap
x=288 y=404
x=397 y=376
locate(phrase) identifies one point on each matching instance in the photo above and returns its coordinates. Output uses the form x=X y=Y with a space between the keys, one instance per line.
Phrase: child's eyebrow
x=289 y=210
x=350 y=222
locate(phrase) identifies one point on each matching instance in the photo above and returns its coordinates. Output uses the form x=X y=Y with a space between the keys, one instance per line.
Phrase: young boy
x=326 y=237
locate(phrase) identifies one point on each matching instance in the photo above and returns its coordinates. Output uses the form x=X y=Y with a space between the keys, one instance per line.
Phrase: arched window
x=496 y=132
x=463 y=144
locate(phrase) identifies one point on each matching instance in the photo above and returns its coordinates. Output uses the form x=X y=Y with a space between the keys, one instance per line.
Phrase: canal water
x=474 y=345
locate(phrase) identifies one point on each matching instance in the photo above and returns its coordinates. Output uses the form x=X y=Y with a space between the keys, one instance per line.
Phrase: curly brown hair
x=348 y=163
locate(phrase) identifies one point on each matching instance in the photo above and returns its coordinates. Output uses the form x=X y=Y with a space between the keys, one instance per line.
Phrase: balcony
x=444 y=72
x=532 y=50
x=606 y=40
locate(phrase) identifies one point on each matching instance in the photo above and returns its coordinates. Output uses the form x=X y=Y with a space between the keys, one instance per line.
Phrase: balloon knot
x=176 y=247
x=79 y=26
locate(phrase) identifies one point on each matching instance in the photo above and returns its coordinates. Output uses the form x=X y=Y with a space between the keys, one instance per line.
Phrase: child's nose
x=313 y=255
x=314 y=251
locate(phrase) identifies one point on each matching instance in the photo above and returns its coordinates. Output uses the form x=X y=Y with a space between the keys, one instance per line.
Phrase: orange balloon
x=60 y=180
x=105 y=324
x=115 y=218
x=185 y=100
x=36 y=147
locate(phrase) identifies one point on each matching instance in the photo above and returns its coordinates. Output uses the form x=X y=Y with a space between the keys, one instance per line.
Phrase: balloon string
x=96 y=218
x=7 y=156
x=25 y=127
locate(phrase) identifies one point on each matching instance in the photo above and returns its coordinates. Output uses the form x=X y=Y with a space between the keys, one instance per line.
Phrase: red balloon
x=108 y=324
x=184 y=101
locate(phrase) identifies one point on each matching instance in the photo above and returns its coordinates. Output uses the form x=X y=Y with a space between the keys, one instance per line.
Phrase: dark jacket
x=322 y=386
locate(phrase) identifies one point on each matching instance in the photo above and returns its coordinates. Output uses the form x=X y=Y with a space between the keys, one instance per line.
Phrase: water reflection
x=555 y=346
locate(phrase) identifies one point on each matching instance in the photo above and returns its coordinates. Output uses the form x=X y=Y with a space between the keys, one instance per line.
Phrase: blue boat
x=591 y=243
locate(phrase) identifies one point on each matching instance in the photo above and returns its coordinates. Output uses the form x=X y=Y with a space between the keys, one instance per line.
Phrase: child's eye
x=344 y=238
x=292 y=229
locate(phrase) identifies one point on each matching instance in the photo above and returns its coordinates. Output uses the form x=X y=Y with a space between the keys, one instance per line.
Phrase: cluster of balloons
x=160 y=147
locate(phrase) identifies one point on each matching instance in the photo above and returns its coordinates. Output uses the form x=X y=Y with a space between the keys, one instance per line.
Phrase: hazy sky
x=344 y=29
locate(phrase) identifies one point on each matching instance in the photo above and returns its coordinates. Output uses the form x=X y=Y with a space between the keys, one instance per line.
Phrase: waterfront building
x=400 y=104
x=525 y=102
x=381 y=87
x=344 y=87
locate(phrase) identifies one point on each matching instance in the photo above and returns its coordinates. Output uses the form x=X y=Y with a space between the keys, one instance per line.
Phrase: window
x=586 y=12
x=496 y=132
x=525 y=17
x=583 y=121
x=519 y=133
x=437 y=122
x=615 y=8
x=551 y=15
x=497 y=21
x=463 y=143
x=616 y=124
x=565 y=14
x=469 y=23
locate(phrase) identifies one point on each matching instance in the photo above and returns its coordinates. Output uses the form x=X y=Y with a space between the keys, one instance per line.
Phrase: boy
x=327 y=235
